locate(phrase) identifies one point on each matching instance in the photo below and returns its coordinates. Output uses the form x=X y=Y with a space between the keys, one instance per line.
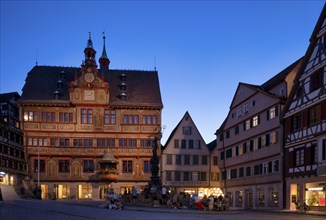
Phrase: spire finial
x=104 y=60
x=89 y=35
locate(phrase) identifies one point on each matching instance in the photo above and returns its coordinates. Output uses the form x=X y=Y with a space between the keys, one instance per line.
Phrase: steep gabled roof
x=178 y=125
x=280 y=76
x=142 y=87
x=6 y=97
x=212 y=145
x=313 y=40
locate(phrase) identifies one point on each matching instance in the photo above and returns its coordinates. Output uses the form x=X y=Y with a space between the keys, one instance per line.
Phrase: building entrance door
x=249 y=200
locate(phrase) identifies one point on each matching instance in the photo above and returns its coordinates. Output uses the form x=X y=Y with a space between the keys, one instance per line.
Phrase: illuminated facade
x=187 y=162
x=88 y=130
x=249 y=143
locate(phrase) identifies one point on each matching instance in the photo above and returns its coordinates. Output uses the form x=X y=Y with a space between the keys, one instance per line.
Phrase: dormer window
x=123 y=77
x=123 y=86
x=59 y=84
x=63 y=75
x=56 y=95
x=123 y=96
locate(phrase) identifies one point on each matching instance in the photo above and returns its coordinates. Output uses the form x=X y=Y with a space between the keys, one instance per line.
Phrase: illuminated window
x=30 y=116
x=255 y=121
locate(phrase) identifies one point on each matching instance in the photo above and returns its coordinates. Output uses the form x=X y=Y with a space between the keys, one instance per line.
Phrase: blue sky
x=201 y=49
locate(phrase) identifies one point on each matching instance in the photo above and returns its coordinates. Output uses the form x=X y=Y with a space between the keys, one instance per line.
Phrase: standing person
x=226 y=202
x=134 y=194
x=154 y=196
x=164 y=191
x=146 y=195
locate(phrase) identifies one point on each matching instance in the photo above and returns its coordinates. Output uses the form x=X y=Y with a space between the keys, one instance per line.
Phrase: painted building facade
x=187 y=163
x=88 y=130
x=249 y=143
x=305 y=127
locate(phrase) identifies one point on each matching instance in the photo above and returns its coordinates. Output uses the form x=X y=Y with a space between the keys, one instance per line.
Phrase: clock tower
x=88 y=87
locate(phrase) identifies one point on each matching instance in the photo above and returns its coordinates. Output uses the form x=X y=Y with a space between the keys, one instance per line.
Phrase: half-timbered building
x=305 y=126
x=12 y=154
x=88 y=130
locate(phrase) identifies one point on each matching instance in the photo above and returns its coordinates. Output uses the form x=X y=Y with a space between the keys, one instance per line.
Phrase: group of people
x=303 y=208
x=113 y=201
x=160 y=195
x=217 y=203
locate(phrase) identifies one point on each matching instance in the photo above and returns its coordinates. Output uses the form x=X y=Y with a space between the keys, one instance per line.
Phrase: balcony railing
x=107 y=174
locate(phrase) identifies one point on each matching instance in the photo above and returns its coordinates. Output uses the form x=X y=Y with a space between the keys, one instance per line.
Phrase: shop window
x=274 y=198
x=238 y=197
x=85 y=191
x=315 y=194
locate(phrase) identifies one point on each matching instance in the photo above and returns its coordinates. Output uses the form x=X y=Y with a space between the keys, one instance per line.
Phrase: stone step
x=9 y=193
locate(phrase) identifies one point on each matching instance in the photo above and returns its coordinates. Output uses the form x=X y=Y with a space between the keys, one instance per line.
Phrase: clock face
x=89 y=95
x=89 y=77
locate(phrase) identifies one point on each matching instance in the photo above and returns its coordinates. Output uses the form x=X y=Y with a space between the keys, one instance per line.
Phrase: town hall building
x=89 y=130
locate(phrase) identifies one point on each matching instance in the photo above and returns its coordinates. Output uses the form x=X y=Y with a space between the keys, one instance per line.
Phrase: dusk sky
x=201 y=49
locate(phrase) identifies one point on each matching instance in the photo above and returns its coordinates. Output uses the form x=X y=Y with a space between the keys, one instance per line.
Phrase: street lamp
x=38 y=166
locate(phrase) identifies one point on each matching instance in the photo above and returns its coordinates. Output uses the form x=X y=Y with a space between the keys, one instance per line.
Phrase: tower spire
x=104 y=60
x=90 y=53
